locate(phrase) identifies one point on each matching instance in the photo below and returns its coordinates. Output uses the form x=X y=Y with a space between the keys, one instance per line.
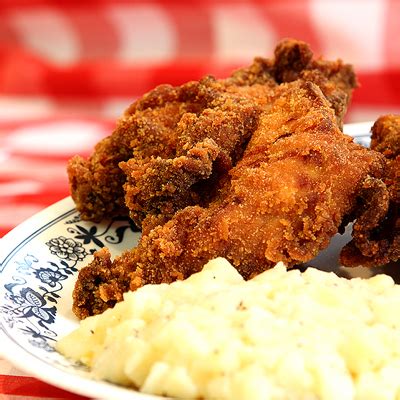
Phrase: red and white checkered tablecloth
x=69 y=68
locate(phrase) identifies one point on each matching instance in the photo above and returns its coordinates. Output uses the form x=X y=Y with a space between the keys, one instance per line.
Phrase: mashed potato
x=281 y=335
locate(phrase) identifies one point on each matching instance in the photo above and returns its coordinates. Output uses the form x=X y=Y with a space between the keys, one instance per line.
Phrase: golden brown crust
x=386 y=135
x=146 y=129
x=168 y=121
x=298 y=179
x=98 y=286
x=376 y=231
x=208 y=145
x=294 y=60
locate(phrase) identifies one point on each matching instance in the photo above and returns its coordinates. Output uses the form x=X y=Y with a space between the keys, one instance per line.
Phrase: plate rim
x=17 y=355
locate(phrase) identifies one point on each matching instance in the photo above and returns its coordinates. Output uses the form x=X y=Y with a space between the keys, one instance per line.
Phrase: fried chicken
x=208 y=145
x=296 y=183
x=176 y=143
x=146 y=129
x=376 y=233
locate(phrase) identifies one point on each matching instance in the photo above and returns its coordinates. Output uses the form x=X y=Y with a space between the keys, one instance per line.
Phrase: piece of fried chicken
x=176 y=123
x=298 y=180
x=376 y=234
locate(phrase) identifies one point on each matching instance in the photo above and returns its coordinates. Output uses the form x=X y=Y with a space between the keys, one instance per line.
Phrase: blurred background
x=69 y=68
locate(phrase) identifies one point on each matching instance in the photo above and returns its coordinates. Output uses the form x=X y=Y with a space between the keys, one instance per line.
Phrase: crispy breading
x=386 y=135
x=297 y=181
x=376 y=232
x=168 y=121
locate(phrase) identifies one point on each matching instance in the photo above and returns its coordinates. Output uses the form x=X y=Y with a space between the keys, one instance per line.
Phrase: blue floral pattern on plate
x=40 y=271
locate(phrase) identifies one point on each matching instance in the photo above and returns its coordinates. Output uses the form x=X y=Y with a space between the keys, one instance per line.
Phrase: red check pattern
x=69 y=68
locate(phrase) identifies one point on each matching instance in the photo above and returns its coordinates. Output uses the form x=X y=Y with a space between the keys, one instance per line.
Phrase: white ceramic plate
x=39 y=262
